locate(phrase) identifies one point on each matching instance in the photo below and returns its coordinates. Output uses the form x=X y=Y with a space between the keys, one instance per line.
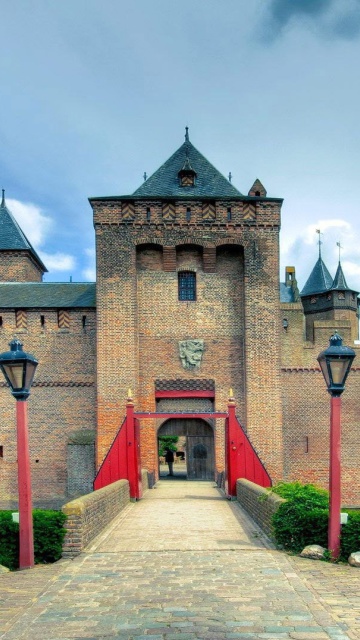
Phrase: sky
x=96 y=92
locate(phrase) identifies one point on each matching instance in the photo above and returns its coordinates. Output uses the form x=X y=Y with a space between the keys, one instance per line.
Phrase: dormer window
x=187 y=175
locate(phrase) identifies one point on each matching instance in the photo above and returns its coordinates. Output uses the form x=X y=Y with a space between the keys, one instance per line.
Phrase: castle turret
x=324 y=298
x=19 y=261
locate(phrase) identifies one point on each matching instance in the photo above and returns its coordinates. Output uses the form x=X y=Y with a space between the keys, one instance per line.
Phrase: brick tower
x=188 y=298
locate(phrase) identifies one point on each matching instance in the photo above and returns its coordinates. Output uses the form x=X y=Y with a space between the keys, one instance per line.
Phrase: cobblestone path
x=182 y=564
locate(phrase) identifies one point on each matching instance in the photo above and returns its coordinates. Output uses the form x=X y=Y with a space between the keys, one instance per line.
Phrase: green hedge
x=303 y=519
x=49 y=534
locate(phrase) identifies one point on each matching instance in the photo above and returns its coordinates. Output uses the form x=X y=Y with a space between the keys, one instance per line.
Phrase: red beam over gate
x=204 y=416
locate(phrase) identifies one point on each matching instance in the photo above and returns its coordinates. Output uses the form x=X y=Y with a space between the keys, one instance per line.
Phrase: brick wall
x=141 y=320
x=259 y=503
x=19 y=266
x=62 y=401
x=88 y=515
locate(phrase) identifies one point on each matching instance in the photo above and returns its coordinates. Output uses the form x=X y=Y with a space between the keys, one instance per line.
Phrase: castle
x=187 y=304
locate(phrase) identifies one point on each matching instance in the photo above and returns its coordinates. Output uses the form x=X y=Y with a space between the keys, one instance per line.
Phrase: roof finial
x=145 y=176
x=3 y=199
x=186 y=134
x=230 y=176
x=340 y=247
x=319 y=241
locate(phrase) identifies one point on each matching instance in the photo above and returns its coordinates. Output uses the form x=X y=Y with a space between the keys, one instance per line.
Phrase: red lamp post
x=18 y=368
x=335 y=363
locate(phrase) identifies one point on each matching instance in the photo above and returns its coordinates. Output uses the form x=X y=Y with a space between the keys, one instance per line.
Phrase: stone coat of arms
x=191 y=352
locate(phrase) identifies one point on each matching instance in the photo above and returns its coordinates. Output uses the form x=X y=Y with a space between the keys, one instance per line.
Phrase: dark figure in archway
x=169 y=458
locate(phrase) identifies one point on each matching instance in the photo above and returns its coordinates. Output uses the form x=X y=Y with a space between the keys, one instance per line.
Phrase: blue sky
x=94 y=93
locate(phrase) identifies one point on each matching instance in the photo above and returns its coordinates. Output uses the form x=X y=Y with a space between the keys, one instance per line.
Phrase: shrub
x=350 y=535
x=49 y=534
x=303 y=518
x=9 y=541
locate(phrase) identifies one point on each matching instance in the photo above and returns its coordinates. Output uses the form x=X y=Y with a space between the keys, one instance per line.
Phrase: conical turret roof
x=339 y=282
x=12 y=237
x=319 y=280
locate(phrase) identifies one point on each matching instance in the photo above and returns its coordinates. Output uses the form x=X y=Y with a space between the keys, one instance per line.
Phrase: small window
x=187 y=285
x=42 y=321
x=229 y=216
x=148 y=214
x=188 y=214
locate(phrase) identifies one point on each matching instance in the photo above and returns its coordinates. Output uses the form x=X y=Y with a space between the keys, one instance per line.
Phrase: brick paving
x=182 y=564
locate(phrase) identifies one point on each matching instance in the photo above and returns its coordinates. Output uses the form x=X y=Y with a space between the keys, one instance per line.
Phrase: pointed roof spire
x=187 y=139
x=258 y=189
x=339 y=282
x=319 y=241
x=3 y=199
x=318 y=281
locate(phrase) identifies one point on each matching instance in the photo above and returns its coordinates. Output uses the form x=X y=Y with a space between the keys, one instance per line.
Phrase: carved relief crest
x=191 y=353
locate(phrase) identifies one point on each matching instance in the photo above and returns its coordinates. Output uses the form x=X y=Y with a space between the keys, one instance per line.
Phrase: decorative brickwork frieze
x=249 y=211
x=21 y=319
x=128 y=211
x=63 y=319
x=168 y=211
x=208 y=211
x=180 y=384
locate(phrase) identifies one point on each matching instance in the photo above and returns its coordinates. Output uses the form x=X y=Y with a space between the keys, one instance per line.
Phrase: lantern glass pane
x=29 y=375
x=14 y=373
x=324 y=369
x=338 y=370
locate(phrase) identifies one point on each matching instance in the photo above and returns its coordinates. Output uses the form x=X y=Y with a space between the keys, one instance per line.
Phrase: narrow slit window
x=229 y=216
x=188 y=214
x=42 y=321
x=84 y=322
x=187 y=285
x=148 y=214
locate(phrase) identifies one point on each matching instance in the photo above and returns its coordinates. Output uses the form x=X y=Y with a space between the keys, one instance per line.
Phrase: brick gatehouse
x=187 y=304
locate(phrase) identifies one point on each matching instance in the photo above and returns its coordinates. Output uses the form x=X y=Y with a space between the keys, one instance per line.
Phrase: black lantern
x=335 y=363
x=18 y=368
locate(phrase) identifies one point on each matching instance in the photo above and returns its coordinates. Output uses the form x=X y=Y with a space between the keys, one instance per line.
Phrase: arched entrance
x=199 y=445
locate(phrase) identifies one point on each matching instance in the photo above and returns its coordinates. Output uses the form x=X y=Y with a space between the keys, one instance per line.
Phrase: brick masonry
x=258 y=503
x=89 y=514
x=132 y=341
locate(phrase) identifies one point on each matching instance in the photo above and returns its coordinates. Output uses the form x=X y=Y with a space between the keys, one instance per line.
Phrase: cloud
x=302 y=251
x=58 y=261
x=32 y=220
x=89 y=273
x=332 y=18
x=37 y=226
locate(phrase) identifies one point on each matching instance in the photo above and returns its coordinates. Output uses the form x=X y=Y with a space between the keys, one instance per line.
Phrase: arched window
x=187 y=285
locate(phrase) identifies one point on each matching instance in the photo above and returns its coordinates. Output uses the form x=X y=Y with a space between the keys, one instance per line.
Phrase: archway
x=199 y=447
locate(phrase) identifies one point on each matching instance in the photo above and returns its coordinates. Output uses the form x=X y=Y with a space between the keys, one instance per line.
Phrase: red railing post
x=131 y=449
x=334 y=478
x=26 y=536
x=232 y=447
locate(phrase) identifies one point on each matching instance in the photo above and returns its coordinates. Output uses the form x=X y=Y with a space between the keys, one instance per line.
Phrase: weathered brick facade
x=186 y=219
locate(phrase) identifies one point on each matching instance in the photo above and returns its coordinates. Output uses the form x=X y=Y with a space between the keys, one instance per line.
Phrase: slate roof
x=208 y=183
x=339 y=280
x=12 y=237
x=42 y=295
x=319 y=280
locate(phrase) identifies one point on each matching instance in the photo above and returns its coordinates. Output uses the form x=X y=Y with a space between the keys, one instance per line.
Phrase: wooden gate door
x=200 y=457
